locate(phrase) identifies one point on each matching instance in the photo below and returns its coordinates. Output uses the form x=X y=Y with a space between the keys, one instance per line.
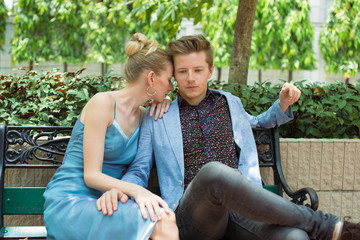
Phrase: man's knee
x=209 y=174
x=216 y=173
x=169 y=217
x=166 y=228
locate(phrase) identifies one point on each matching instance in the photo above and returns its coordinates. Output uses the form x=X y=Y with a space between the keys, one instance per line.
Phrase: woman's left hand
x=159 y=108
x=108 y=202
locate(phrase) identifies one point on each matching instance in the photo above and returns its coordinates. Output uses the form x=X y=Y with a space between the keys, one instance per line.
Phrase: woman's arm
x=98 y=115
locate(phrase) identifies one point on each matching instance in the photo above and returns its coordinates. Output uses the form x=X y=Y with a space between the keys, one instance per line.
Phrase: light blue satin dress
x=70 y=206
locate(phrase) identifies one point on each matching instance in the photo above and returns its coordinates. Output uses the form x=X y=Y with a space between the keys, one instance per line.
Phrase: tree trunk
x=290 y=77
x=219 y=75
x=239 y=62
x=259 y=76
x=31 y=66
x=104 y=69
x=65 y=67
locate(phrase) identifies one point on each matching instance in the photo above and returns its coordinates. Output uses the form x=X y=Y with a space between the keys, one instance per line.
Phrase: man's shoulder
x=171 y=111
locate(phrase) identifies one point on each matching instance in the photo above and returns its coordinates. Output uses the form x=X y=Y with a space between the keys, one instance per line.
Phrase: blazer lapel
x=236 y=120
x=173 y=131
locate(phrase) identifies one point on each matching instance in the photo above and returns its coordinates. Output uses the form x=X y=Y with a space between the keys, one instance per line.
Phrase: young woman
x=103 y=143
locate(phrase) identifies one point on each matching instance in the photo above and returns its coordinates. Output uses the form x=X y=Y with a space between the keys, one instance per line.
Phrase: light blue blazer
x=162 y=140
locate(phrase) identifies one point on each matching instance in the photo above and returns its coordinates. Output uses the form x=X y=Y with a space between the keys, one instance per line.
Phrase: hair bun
x=138 y=42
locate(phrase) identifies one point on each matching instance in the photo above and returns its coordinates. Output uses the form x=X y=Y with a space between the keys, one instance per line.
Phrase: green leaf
x=342 y=104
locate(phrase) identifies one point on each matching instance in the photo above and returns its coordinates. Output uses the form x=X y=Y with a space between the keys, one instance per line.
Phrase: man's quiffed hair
x=190 y=44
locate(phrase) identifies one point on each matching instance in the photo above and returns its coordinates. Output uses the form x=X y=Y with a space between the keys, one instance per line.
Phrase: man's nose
x=190 y=76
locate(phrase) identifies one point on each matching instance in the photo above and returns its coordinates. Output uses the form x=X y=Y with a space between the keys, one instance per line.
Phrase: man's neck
x=193 y=101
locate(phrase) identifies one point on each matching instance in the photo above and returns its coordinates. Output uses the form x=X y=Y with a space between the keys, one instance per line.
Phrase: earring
x=153 y=89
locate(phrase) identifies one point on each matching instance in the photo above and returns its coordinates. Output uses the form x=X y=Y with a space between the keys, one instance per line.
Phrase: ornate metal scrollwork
x=264 y=145
x=299 y=199
x=39 y=143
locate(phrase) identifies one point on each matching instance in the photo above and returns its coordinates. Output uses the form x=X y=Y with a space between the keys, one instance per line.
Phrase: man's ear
x=211 y=71
x=150 y=78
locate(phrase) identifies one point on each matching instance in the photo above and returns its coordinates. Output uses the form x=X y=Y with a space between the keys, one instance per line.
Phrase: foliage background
x=49 y=98
x=3 y=17
x=282 y=36
x=52 y=98
x=82 y=31
x=323 y=111
x=72 y=31
x=339 y=44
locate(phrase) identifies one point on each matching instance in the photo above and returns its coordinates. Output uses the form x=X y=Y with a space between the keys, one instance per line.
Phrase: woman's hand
x=108 y=202
x=160 y=108
x=146 y=199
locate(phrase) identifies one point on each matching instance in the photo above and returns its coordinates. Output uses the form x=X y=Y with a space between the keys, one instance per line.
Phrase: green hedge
x=50 y=98
x=323 y=111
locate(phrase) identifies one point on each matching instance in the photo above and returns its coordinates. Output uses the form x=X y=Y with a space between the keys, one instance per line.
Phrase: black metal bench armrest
x=271 y=137
x=300 y=196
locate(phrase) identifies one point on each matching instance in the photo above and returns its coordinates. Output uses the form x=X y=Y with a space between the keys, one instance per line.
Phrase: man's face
x=191 y=73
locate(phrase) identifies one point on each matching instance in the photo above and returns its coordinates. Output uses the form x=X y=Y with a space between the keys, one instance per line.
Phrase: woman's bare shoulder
x=101 y=104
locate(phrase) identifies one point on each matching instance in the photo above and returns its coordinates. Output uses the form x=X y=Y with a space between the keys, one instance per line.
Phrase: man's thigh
x=198 y=216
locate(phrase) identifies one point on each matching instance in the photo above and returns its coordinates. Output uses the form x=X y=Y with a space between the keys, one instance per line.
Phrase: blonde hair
x=143 y=54
x=190 y=44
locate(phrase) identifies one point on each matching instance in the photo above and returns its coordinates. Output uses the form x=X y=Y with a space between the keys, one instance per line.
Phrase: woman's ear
x=150 y=78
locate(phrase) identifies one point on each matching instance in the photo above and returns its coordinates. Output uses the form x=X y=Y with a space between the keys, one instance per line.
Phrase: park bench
x=37 y=149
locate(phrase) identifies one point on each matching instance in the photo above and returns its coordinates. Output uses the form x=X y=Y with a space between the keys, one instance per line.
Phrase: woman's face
x=163 y=84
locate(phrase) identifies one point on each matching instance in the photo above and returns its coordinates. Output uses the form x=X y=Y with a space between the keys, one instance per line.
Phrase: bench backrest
x=39 y=147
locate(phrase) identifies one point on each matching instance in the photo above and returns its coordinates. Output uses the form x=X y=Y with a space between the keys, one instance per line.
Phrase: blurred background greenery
x=271 y=34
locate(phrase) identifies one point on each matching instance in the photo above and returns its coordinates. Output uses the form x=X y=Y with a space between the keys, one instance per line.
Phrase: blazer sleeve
x=138 y=171
x=274 y=116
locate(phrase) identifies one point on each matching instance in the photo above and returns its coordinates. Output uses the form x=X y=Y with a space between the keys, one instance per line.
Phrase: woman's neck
x=132 y=97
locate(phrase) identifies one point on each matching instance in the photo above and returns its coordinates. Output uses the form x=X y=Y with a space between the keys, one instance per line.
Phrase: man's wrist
x=282 y=106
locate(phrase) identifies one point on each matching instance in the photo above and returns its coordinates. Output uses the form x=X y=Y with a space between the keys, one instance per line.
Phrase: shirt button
x=181 y=182
x=174 y=206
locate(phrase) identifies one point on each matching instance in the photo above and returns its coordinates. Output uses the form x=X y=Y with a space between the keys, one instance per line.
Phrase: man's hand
x=289 y=94
x=108 y=202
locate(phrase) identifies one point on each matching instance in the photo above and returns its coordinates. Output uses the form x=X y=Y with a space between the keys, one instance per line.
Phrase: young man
x=207 y=161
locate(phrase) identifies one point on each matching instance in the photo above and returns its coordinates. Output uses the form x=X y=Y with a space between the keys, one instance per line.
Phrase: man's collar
x=182 y=102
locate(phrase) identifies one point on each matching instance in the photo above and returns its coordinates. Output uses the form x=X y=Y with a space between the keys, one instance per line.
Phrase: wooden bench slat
x=25 y=200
